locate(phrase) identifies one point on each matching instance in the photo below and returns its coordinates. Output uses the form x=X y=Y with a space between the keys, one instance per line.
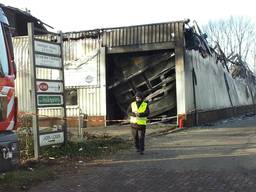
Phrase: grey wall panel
x=211 y=90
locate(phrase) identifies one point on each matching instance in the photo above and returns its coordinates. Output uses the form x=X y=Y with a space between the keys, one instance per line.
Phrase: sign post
x=33 y=90
x=47 y=93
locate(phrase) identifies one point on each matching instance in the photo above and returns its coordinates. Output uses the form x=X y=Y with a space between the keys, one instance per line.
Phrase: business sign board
x=84 y=71
x=80 y=77
x=49 y=87
x=47 y=92
x=47 y=47
x=47 y=61
x=49 y=100
x=51 y=139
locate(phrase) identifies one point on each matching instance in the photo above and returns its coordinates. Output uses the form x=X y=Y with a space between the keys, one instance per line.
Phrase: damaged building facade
x=18 y=18
x=181 y=76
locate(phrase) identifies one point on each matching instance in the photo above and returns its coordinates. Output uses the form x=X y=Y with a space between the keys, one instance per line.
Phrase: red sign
x=43 y=86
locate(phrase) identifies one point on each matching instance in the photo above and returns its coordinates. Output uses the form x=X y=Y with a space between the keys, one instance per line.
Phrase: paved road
x=220 y=158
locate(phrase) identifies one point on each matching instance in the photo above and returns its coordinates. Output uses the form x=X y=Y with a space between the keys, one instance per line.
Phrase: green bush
x=89 y=149
x=93 y=146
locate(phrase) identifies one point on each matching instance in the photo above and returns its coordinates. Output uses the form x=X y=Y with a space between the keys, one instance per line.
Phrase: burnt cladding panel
x=138 y=35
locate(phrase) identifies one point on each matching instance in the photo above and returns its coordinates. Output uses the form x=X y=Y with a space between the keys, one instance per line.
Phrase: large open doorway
x=151 y=72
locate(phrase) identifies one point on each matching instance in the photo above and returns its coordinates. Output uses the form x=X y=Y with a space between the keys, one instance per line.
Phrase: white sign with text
x=47 y=61
x=51 y=138
x=48 y=48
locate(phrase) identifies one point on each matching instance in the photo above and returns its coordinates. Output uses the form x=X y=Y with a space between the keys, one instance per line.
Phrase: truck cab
x=8 y=102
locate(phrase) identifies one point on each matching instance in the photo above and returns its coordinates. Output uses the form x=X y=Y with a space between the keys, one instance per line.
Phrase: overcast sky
x=80 y=15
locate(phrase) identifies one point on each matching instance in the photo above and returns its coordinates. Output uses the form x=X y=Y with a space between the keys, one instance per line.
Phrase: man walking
x=138 y=112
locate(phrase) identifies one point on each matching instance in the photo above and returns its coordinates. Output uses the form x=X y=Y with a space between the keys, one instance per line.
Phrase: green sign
x=43 y=100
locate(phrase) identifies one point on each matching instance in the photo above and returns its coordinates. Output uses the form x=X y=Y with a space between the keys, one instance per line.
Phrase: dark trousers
x=139 y=138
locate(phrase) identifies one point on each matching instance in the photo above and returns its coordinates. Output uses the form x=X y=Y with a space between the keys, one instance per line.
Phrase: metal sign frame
x=34 y=80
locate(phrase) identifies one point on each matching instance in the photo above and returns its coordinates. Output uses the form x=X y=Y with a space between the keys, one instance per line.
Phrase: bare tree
x=235 y=35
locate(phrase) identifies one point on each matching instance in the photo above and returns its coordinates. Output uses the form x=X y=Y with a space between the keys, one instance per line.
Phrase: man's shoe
x=142 y=153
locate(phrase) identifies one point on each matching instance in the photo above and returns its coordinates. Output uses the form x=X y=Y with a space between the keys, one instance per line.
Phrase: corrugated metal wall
x=74 y=47
x=23 y=79
x=89 y=103
x=141 y=34
x=90 y=98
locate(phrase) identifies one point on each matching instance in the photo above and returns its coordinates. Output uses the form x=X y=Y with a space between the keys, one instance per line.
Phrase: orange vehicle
x=8 y=102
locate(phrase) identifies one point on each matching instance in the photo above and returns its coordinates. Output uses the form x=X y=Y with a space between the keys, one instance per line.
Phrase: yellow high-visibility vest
x=141 y=109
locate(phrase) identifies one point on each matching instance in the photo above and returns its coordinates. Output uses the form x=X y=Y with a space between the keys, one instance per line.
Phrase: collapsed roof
x=234 y=64
x=18 y=20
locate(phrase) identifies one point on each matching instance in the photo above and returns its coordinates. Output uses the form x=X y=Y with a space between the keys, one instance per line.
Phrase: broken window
x=71 y=96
